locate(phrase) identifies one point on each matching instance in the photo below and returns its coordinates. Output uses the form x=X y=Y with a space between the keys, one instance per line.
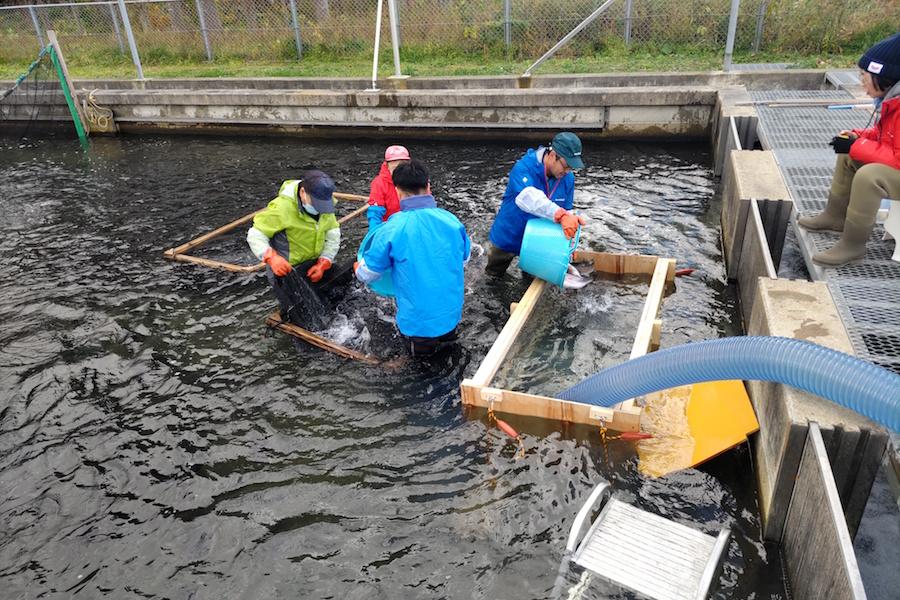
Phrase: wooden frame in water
x=477 y=390
x=274 y=319
x=179 y=253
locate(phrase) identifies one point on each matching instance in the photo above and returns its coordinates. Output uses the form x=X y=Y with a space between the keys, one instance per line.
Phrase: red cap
x=396 y=153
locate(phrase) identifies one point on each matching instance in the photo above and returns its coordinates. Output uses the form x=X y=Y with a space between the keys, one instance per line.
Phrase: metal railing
x=278 y=31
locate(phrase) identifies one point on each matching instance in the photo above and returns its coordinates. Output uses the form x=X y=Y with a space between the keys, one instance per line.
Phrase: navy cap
x=567 y=145
x=320 y=188
x=883 y=58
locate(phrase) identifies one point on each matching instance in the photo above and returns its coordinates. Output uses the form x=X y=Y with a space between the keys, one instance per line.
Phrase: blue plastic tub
x=384 y=285
x=546 y=251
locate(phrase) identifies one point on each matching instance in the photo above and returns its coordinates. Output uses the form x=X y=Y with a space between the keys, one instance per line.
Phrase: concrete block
x=734 y=126
x=749 y=174
x=805 y=310
x=818 y=551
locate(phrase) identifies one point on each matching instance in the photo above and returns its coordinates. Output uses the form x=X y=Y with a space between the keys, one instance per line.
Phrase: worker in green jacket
x=298 y=238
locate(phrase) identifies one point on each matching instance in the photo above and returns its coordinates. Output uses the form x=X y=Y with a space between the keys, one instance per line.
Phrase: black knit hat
x=883 y=58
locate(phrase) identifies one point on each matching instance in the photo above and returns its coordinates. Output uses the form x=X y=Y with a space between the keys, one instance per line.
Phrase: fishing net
x=33 y=99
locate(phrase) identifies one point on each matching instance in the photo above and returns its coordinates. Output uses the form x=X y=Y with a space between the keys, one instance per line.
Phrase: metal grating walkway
x=866 y=292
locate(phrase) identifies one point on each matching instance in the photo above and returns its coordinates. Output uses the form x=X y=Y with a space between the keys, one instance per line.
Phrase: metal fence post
x=295 y=21
x=209 y=54
x=507 y=26
x=123 y=12
x=37 y=26
x=377 y=45
x=115 y=22
x=732 y=28
x=394 y=18
x=628 y=22
x=760 y=20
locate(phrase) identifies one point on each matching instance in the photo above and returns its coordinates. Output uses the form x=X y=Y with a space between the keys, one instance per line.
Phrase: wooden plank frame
x=274 y=320
x=179 y=253
x=478 y=392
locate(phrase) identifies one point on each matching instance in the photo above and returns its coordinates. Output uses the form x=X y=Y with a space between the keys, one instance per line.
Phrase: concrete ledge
x=805 y=310
x=748 y=174
x=796 y=79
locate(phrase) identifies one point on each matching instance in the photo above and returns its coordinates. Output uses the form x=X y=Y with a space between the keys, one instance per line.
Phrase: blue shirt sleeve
x=467 y=244
x=378 y=254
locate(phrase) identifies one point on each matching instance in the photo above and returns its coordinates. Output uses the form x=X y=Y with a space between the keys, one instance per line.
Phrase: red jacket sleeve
x=376 y=193
x=871 y=151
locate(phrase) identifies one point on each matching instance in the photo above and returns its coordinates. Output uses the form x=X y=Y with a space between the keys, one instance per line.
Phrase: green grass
x=425 y=62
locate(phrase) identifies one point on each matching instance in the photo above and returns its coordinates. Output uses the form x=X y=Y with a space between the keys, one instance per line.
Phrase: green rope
x=22 y=77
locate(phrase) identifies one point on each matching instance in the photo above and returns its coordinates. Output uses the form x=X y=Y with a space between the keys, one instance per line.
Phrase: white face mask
x=310 y=209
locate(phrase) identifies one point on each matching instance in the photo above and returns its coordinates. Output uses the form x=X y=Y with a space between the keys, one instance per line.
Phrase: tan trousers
x=865 y=185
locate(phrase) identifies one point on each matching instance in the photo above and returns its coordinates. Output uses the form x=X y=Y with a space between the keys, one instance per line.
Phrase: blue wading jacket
x=426 y=247
x=509 y=224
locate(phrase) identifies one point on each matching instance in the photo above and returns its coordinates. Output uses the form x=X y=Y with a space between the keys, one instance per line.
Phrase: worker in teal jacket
x=426 y=248
x=541 y=185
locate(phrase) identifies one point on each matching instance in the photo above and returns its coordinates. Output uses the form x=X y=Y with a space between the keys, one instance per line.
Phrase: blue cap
x=567 y=145
x=320 y=188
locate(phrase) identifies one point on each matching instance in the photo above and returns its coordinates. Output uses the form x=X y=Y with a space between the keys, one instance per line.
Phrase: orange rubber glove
x=276 y=262
x=355 y=266
x=569 y=222
x=316 y=271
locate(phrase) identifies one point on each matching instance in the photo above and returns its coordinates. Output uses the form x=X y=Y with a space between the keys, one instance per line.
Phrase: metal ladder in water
x=646 y=553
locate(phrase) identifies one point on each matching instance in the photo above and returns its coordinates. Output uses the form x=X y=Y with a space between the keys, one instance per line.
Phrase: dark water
x=157 y=442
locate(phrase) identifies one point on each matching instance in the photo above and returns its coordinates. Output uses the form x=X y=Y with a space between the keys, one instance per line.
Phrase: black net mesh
x=33 y=98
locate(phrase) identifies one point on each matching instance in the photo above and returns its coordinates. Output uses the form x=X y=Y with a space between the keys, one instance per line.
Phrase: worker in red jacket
x=383 y=200
x=868 y=164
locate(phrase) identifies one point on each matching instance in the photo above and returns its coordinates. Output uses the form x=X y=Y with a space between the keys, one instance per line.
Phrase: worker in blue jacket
x=426 y=248
x=541 y=185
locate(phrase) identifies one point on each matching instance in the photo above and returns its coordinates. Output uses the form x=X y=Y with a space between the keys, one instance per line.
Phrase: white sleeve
x=332 y=243
x=535 y=202
x=258 y=242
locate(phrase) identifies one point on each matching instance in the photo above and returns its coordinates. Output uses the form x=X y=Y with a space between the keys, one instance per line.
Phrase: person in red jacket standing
x=383 y=200
x=868 y=165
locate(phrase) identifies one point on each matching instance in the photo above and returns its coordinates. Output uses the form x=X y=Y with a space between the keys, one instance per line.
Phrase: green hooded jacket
x=305 y=235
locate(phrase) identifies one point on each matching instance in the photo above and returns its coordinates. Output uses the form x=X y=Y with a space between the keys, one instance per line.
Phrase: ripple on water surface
x=157 y=441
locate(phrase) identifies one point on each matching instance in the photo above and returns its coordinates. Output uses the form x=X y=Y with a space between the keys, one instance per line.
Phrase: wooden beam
x=178 y=253
x=355 y=213
x=543 y=407
x=215 y=264
x=643 y=337
x=618 y=264
x=655 y=336
x=199 y=241
x=274 y=321
x=508 y=334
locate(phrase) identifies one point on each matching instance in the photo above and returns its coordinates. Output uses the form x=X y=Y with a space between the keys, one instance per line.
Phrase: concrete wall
x=593 y=112
x=805 y=310
x=640 y=105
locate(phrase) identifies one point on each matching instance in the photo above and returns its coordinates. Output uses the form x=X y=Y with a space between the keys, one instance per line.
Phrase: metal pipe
x=37 y=26
x=377 y=45
x=209 y=54
x=115 y=22
x=760 y=21
x=295 y=21
x=507 y=25
x=394 y=19
x=135 y=57
x=732 y=28
x=628 y=4
x=590 y=19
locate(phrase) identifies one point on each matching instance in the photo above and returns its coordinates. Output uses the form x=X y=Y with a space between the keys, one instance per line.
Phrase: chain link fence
x=274 y=31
